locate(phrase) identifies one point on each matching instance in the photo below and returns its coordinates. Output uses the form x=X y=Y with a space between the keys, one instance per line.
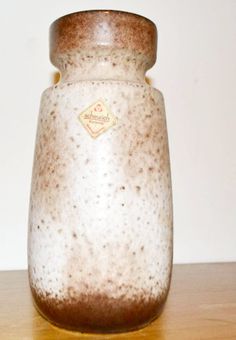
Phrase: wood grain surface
x=201 y=305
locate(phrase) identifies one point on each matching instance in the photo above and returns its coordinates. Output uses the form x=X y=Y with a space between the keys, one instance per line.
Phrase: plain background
x=195 y=70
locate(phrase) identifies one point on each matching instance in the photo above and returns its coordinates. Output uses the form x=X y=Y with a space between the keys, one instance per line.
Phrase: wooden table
x=201 y=305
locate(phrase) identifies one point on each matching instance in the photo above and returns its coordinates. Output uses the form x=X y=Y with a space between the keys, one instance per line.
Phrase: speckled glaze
x=100 y=221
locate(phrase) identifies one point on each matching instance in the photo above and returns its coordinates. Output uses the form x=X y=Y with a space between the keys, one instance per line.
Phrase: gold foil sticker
x=97 y=119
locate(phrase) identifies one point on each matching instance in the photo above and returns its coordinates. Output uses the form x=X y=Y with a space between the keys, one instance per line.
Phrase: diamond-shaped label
x=97 y=118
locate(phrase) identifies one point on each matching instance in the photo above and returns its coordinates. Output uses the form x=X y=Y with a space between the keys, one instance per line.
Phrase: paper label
x=97 y=119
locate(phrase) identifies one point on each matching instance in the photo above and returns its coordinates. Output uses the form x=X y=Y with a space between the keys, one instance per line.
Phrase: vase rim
x=104 y=11
x=101 y=30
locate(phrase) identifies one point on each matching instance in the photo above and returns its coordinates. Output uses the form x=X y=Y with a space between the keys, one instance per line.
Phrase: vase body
x=100 y=221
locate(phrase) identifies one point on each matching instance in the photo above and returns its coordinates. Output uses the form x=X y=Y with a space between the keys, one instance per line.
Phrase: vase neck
x=103 y=45
x=102 y=64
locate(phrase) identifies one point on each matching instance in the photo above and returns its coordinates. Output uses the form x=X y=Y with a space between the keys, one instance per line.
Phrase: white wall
x=196 y=71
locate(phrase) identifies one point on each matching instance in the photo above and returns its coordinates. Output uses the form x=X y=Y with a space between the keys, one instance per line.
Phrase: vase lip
x=112 y=30
x=103 y=11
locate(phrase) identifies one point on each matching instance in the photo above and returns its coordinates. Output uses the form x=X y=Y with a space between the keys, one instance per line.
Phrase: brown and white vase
x=100 y=221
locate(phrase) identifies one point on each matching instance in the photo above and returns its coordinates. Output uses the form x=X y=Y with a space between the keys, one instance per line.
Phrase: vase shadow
x=55 y=77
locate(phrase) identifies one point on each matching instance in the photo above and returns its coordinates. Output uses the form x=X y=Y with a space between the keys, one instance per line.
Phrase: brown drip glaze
x=98 y=313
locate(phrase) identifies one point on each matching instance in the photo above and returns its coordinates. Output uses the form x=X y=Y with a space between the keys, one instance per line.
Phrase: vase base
x=98 y=314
